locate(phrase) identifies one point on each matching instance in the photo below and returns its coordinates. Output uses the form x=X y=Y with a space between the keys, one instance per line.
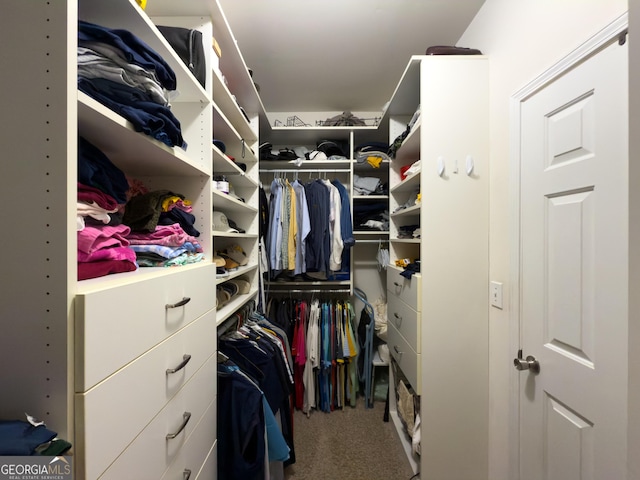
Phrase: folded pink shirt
x=92 y=238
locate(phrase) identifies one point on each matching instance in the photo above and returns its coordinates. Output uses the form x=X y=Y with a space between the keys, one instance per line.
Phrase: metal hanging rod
x=305 y=170
x=327 y=290
x=372 y=241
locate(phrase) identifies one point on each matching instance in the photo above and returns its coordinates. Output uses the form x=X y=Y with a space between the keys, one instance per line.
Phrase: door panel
x=569 y=274
x=564 y=426
x=574 y=272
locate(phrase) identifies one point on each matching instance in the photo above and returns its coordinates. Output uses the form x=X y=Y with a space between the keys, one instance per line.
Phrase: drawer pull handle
x=397 y=284
x=398 y=318
x=181 y=303
x=185 y=360
x=186 y=475
x=186 y=416
x=395 y=347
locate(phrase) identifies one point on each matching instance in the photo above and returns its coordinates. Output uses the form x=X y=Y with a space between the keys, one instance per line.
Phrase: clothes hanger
x=221 y=357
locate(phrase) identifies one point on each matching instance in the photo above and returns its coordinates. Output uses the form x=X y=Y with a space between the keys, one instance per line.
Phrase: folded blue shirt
x=20 y=438
x=133 y=49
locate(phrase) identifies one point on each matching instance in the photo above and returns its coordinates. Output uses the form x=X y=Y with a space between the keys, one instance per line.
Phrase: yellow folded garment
x=403 y=262
x=167 y=202
x=374 y=161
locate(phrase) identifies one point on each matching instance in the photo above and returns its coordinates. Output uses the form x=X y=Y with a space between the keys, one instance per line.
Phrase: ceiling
x=339 y=55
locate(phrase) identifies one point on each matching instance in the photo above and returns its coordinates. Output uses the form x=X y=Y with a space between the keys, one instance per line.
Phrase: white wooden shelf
x=223 y=201
x=410 y=148
x=131 y=151
x=126 y=14
x=225 y=103
x=405 y=240
x=235 y=274
x=411 y=183
x=223 y=165
x=371 y=233
x=233 y=305
x=371 y=197
x=93 y=285
x=409 y=211
x=218 y=233
x=223 y=128
x=302 y=165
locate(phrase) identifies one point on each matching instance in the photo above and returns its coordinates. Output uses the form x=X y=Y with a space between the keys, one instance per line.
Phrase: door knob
x=530 y=363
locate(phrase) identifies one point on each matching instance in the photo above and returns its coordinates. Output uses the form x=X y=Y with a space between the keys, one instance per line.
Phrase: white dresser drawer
x=406 y=358
x=116 y=325
x=405 y=319
x=151 y=453
x=112 y=414
x=195 y=452
x=406 y=289
x=209 y=470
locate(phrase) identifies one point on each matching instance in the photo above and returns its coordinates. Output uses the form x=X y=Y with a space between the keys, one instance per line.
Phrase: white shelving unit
x=438 y=330
x=233 y=93
x=81 y=350
x=343 y=170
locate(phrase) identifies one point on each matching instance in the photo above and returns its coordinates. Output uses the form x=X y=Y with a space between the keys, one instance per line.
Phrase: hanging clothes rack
x=376 y=241
x=304 y=170
x=331 y=290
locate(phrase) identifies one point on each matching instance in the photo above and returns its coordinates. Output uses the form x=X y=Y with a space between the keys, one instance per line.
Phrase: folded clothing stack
x=409 y=231
x=25 y=438
x=119 y=70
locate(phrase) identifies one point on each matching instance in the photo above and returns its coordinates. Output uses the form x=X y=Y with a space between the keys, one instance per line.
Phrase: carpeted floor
x=354 y=443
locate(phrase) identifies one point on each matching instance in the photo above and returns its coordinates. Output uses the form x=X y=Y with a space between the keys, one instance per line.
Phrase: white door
x=574 y=235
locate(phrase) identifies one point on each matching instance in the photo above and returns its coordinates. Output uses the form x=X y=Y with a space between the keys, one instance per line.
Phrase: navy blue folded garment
x=96 y=170
x=133 y=48
x=21 y=438
x=410 y=269
x=136 y=106
x=372 y=147
x=185 y=219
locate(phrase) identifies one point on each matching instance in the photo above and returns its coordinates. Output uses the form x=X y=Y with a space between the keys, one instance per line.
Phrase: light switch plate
x=495 y=294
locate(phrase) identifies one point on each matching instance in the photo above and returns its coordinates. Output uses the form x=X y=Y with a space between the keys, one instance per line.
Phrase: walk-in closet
x=223 y=274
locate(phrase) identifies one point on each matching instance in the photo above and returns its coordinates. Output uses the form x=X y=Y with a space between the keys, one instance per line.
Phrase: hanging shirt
x=293 y=228
x=318 y=244
x=263 y=217
x=346 y=225
x=285 y=223
x=303 y=228
x=241 y=430
x=275 y=224
x=335 y=231
x=313 y=358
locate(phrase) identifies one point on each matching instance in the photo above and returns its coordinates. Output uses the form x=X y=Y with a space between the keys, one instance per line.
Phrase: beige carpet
x=354 y=444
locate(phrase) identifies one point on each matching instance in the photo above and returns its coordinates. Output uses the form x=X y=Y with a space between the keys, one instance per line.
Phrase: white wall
x=522 y=38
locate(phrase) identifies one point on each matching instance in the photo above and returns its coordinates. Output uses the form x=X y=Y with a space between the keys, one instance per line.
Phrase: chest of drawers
x=404 y=323
x=139 y=360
